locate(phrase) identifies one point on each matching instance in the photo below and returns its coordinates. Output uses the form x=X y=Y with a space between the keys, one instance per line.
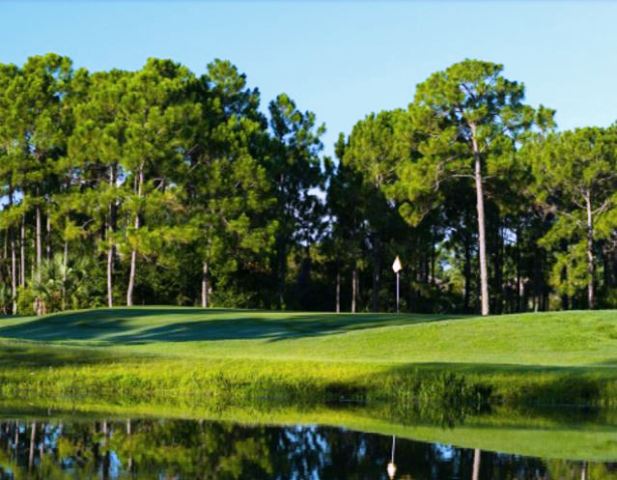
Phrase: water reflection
x=174 y=449
x=392 y=466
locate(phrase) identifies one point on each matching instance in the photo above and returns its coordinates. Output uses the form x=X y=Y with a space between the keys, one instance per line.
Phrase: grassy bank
x=565 y=357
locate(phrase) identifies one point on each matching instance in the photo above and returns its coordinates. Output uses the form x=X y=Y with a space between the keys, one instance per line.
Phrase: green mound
x=564 y=356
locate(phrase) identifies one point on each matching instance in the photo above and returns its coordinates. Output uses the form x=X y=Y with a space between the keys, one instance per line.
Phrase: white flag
x=397 y=266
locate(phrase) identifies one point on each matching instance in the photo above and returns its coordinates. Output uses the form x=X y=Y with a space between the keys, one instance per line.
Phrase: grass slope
x=188 y=348
x=544 y=339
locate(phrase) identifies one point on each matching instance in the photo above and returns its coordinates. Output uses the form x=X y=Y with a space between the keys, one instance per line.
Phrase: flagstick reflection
x=391 y=466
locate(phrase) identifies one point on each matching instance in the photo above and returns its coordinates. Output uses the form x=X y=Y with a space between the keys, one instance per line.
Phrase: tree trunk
x=432 y=260
x=535 y=287
x=48 y=237
x=591 y=263
x=16 y=438
x=338 y=291
x=22 y=252
x=65 y=266
x=129 y=432
x=133 y=269
x=281 y=272
x=132 y=274
x=499 y=261
x=5 y=255
x=467 y=273
x=484 y=298
x=110 y=272
x=106 y=457
x=13 y=259
x=476 y=464
x=110 y=241
x=13 y=272
x=376 y=275
x=38 y=240
x=519 y=283
x=354 y=287
x=32 y=442
x=204 y=285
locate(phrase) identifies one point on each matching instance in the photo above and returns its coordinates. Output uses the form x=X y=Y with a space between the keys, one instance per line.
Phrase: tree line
x=163 y=186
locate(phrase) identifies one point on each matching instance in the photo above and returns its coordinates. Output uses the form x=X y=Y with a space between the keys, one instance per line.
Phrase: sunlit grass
x=560 y=357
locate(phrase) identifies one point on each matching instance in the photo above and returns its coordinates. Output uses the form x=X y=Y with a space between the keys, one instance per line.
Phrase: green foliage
x=468 y=102
x=26 y=298
x=181 y=188
x=575 y=181
x=296 y=171
x=61 y=286
x=569 y=274
x=6 y=299
x=147 y=168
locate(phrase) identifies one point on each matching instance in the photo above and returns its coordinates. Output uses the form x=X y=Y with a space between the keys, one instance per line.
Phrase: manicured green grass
x=543 y=339
x=552 y=357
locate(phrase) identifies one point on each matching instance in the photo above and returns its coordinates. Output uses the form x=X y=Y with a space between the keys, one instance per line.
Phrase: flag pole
x=398 y=276
x=397 y=266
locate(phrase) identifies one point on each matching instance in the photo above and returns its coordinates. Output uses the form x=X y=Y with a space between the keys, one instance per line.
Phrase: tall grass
x=311 y=382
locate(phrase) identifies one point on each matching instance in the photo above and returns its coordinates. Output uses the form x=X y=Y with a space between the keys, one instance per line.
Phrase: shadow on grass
x=133 y=326
x=34 y=356
x=611 y=362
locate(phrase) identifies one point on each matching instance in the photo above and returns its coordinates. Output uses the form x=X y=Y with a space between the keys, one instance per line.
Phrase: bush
x=26 y=298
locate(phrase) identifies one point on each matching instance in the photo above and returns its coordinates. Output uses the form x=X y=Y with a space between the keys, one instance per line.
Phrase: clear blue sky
x=341 y=59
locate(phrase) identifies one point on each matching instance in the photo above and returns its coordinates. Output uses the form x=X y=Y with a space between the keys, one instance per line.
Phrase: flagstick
x=397 y=266
x=397 y=292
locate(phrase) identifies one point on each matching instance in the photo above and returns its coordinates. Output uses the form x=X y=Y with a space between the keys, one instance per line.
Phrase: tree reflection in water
x=174 y=449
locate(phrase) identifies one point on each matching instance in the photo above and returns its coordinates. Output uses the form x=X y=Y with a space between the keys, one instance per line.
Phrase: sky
x=341 y=59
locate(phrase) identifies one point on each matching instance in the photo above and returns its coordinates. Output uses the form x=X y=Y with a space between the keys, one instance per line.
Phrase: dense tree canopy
x=576 y=179
x=165 y=186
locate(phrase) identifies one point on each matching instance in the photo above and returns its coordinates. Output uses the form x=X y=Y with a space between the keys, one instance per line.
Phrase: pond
x=47 y=445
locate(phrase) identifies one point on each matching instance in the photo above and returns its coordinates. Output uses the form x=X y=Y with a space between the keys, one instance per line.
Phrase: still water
x=186 y=449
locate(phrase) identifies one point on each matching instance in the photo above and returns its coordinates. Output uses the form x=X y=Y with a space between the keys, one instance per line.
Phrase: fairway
x=542 y=339
x=561 y=357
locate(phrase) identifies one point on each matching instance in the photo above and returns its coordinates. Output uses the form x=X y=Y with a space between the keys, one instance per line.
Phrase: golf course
x=556 y=358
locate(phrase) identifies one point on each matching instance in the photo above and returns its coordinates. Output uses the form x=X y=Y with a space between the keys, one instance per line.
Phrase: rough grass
x=564 y=357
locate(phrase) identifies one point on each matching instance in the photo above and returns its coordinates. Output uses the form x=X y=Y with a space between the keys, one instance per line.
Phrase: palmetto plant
x=61 y=284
